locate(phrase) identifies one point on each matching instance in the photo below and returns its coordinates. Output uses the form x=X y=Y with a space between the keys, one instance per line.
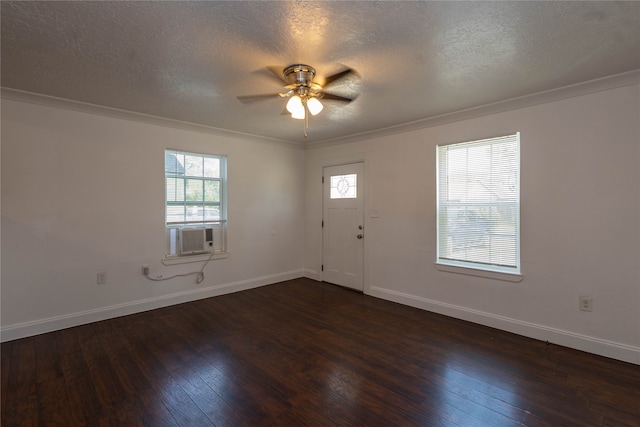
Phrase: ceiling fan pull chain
x=306 y=116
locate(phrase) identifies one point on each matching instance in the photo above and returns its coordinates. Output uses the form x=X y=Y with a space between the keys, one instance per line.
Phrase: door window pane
x=344 y=186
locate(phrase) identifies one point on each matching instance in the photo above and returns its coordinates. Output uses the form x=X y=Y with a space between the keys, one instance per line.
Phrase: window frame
x=219 y=225
x=444 y=262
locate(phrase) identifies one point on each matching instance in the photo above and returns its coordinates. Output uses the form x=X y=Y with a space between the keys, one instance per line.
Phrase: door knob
x=359 y=236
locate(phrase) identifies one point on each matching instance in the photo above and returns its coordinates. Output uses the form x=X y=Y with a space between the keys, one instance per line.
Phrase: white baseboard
x=311 y=274
x=614 y=350
x=26 y=329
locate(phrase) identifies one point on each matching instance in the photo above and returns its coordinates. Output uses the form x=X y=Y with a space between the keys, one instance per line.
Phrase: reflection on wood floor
x=304 y=353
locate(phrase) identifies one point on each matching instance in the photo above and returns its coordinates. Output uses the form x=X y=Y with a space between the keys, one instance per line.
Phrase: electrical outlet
x=586 y=303
x=101 y=279
x=145 y=269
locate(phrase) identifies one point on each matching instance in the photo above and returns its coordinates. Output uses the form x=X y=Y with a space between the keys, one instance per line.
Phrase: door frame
x=365 y=194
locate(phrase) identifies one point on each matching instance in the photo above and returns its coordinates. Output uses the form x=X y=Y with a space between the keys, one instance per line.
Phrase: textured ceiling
x=189 y=60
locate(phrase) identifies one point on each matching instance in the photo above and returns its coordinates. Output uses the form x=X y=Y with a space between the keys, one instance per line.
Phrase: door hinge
x=323 y=223
x=323 y=179
x=322 y=267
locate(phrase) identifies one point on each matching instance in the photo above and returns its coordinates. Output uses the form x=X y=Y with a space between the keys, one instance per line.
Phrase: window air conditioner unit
x=195 y=240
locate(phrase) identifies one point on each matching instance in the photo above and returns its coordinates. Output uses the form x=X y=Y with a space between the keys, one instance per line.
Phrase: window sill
x=495 y=275
x=188 y=259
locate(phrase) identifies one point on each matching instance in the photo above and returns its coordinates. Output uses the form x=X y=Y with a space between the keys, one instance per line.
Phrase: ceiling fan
x=304 y=94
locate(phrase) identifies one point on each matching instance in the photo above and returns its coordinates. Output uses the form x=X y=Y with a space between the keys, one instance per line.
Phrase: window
x=195 y=209
x=344 y=186
x=478 y=204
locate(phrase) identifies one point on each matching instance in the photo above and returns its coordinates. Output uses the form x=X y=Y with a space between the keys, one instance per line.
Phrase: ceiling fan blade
x=334 y=77
x=336 y=97
x=277 y=72
x=250 y=98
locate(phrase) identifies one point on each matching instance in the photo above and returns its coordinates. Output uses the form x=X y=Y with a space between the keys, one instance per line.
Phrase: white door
x=343 y=225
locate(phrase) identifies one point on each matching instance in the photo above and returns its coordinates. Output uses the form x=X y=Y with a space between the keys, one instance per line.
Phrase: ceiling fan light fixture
x=304 y=94
x=314 y=105
x=298 y=114
x=294 y=105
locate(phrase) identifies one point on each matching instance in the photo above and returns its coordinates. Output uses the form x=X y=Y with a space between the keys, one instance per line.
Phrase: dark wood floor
x=303 y=353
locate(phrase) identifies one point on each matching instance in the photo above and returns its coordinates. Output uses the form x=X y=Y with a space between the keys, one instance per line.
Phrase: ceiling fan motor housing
x=299 y=74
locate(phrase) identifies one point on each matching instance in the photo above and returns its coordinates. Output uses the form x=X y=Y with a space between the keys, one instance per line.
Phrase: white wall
x=580 y=187
x=83 y=193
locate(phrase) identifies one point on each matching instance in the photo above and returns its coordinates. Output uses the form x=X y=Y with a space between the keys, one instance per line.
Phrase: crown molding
x=579 y=89
x=84 y=107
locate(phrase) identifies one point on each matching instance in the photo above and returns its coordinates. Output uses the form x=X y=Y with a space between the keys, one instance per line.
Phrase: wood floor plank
x=130 y=377
x=192 y=381
x=608 y=422
x=22 y=378
x=108 y=387
x=127 y=413
x=150 y=409
x=161 y=344
x=53 y=404
x=183 y=409
x=5 y=368
x=628 y=415
x=81 y=392
x=144 y=360
x=21 y=412
x=47 y=357
x=304 y=353
x=178 y=332
x=613 y=401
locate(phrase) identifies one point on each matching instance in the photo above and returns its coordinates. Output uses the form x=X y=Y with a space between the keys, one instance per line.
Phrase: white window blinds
x=478 y=204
